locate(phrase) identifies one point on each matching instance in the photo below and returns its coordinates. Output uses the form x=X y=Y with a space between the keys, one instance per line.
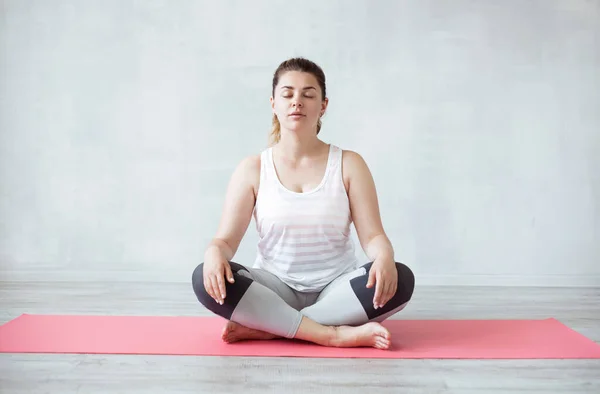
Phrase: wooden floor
x=52 y=373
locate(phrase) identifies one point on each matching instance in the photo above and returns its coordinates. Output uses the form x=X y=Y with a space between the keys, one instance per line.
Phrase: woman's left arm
x=364 y=207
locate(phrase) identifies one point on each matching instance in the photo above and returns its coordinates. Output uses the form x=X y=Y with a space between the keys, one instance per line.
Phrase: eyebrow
x=291 y=87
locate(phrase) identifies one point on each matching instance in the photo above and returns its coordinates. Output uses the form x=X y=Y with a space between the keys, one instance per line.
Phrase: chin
x=295 y=126
x=298 y=125
x=299 y=130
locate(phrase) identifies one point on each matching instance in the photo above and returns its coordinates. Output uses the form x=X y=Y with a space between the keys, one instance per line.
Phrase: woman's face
x=297 y=101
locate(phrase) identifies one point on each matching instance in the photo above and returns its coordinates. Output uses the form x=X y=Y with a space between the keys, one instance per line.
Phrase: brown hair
x=296 y=64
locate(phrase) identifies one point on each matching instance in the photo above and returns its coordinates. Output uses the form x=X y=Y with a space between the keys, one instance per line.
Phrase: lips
x=296 y=114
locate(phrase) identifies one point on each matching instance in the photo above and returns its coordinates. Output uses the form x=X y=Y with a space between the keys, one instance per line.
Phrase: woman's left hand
x=384 y=276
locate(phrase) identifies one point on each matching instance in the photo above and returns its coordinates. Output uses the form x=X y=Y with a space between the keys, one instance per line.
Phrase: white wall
x=122 y=120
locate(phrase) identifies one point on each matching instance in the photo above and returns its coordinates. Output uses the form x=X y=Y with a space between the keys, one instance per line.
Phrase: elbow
x=378 y=245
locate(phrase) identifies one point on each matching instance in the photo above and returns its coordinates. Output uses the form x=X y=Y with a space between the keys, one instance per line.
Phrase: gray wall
x=121 y=122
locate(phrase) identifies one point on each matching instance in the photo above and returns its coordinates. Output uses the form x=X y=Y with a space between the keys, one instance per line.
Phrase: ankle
x=333 y=338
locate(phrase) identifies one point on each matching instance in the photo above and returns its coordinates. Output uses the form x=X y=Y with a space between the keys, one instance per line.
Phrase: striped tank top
x=304 y=238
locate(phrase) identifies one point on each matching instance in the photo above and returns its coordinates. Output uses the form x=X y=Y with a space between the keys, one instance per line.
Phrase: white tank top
x=304 y=238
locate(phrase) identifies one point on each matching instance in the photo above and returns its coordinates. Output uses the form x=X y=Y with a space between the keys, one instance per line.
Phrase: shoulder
x=351 y=157
x=352 y=161
x=353 y=166
x=247 y=171
x=250 y=164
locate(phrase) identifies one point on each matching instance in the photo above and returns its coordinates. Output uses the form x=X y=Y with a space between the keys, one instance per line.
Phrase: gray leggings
x=260 y=300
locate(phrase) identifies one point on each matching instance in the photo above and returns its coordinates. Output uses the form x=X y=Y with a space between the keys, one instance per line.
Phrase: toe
x=229 y=339
x=383 y=333
x=380 y=344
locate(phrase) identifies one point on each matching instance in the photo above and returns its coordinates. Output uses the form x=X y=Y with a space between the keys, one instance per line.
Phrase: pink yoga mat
x=457 y=339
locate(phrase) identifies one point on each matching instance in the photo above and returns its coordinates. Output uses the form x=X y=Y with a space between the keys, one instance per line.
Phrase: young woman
x=306 y=282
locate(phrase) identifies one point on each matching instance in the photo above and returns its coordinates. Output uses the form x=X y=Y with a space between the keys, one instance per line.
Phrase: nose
x=297 y=103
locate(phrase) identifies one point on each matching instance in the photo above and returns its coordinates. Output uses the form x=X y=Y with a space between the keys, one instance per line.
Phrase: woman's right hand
x=215 y=270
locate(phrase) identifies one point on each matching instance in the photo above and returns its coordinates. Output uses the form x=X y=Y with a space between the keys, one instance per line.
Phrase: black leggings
x=260 y=300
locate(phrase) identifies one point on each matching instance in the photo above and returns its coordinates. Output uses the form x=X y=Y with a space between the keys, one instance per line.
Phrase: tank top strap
x=336 y=157
x=266 y=166
x=335 y=167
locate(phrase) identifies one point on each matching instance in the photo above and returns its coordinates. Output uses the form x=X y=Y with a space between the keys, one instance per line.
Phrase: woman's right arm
x=235 y=218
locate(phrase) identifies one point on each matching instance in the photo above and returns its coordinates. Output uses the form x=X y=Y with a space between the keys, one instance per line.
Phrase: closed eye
x=291 y=95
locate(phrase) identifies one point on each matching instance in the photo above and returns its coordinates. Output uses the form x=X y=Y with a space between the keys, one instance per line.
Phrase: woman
x=306 y=282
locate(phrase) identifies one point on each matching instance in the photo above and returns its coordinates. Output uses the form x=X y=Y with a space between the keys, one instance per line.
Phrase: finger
x=371 y=280
x=221 y=286
x=215 y=293
x=208 y=286
x=387 y=294
x=384 y=293
x=379 y=286
x=229 y=273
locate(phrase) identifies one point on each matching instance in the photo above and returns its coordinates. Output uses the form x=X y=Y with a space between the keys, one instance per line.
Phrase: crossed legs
x=259 y=305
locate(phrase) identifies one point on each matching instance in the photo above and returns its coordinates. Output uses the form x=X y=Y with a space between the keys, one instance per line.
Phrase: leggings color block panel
x=260 y=300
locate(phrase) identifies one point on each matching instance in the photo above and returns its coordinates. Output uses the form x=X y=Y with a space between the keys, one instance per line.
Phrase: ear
x=272 y=104
x=324 y=105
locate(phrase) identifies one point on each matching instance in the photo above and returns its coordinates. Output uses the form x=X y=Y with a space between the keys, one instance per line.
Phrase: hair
x=302 y=65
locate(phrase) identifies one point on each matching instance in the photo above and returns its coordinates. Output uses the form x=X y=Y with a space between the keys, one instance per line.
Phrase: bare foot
x=234 y=332
x=369 y=334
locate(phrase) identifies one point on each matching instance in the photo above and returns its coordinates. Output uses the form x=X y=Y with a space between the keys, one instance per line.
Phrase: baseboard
x=511 y=280
x=185 y=277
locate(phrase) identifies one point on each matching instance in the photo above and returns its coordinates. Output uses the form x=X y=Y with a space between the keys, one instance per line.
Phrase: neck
x=294 y=145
